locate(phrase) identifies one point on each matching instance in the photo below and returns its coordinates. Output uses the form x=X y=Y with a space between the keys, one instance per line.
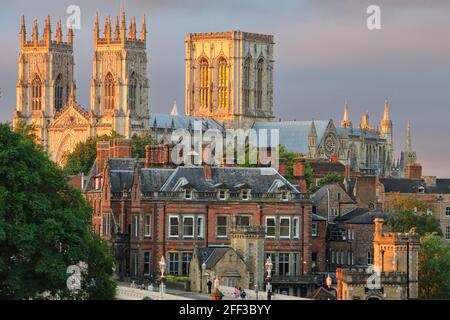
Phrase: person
x=243 y=294
x=269 y=294
x=236 y=292
x=209 y=284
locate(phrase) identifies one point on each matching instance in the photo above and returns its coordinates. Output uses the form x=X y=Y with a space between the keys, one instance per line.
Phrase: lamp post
x=201 y=278
x=269 y=266
x=329 y=282
x=162 y=269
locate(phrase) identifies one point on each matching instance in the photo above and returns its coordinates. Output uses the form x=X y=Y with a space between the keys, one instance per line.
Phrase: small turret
x=70 y=37
x=117 y=30
x=47 y=31
x=23 y=32
x=96 y=29
x=365 y=124
x=144 y=29
x=345 y=122
x=123 y=26
x=35 y=35
x=58 y=35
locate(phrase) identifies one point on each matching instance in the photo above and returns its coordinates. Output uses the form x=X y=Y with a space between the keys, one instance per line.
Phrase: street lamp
x=269 y=266
x=203 y=274
x=162 y=269
x=329 y=282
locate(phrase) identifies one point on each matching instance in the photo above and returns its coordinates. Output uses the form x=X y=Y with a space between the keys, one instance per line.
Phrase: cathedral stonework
x=229 y=77
x=119 y=86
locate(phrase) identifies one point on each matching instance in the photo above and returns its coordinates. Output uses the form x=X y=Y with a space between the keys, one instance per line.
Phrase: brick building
x=146 y=208
x=332 y=201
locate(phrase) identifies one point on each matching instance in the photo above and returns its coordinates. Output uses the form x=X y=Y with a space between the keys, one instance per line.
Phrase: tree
x=44 y=227
x=434 y=268
x=139 y=143
x=330 y=178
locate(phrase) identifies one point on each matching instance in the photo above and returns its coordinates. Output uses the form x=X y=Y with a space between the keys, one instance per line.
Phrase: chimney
x=299 y=168
x=334 y=158
x=148 y=155
x=102 y=155
x=283 y=167
x=120 y=148
x=378 y=228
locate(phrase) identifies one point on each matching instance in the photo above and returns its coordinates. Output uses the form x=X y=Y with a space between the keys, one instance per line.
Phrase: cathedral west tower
x=229 y=77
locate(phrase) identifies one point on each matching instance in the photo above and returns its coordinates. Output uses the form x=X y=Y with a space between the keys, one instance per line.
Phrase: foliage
x=44 y=226
x=399 y=204
x=172 y=278
x=330 y=178
x=434 y=268
x=139 y=143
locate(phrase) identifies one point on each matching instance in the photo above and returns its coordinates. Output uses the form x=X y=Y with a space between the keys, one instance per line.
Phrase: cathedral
x=229 y=84
x=119 y=85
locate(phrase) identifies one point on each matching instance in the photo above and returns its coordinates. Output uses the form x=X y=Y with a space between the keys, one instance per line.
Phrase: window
x=106 y=224
x=353 y=234
x=369 y=257
x=188 y=194
x=188 y=227
x=447 y=232
x=447 y=211
x=314 y=230
x=136 y=226
x=204 y=83
x=110 y=95
x=246 y=85
x=173 y=227
x=135 y=264
x=242 y=221
x=245 y=194
x=146 y=262
x=270 y=227
x=421 y=189
x=58 y=98
x=223 y=83
x=285 y=228
x=296 y=228
x=342 y=257
x=222 y=195
x=295 y=270
x=222 y=226
x=338 y=196
x=132 y=92
x=284 y=195
x=332 y=257
x=283 y=263
x=251 y=250
x=36 y=94
x=185 y=261
x=147 y=227
x=200 y=228
x=334 y=212
x=173 y=263
x=259 y=84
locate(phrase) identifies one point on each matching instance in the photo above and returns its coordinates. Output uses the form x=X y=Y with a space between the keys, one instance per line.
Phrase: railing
x=127 y=293
x=252 y=295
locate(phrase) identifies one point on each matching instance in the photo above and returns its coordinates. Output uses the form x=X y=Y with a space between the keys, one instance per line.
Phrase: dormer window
x=285 y=195
x=188 y=194
x=222 y=195
x=245 y=194
x=421 y=189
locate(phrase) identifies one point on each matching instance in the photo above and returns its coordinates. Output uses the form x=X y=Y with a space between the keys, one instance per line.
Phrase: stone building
x=119 y=86
x=241 y=264
x=396 y=264
x=148 y=208
x=229 y=77
x=332 y=201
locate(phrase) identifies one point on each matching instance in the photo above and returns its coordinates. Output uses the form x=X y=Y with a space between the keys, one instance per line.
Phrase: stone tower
x=229 y=77
x=249 y=243
x=408 y=155
x=45 y=76
x=387 y=132
x=119 y=85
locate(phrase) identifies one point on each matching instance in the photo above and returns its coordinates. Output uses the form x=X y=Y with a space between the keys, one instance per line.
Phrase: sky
x=324 y=55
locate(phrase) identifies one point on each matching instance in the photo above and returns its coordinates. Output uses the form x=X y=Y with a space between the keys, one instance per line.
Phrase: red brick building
x=147 y=208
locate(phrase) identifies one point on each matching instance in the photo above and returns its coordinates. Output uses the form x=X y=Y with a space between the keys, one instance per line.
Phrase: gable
x=71 y=116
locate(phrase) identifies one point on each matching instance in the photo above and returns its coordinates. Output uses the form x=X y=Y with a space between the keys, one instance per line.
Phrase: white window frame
x=296 y=228
x=447 y=211
x=189 y=236
x=274 y=226
x=136 y=226
x=314 y=229
x=188 y=194
x=224 y=195
x=285 y=195
x=200 y=227
x=170 y=226
x=289 y=227
x=226 y=226
x=245 y=192
x=148 y=226
x=334 y=212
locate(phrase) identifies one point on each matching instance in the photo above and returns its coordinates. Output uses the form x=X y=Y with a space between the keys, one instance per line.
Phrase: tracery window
x=132 y=85
x=223 y=84
x=58 y=98
x=110 y=95
x=204 y=83
x=259 y=83
x=36 y=94
x=246 y=85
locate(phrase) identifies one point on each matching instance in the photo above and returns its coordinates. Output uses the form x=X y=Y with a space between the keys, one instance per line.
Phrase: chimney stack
x=102 y=155
x=120 y=148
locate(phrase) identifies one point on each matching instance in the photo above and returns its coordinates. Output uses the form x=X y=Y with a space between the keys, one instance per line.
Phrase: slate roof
x=401 y=185
x=442 y=186
x=210 y=256
x=356 y=132
x=357 y=212
x=326 y=166
x=316 y=217
x=181 y=122
x=369 y=217
x=294 y=134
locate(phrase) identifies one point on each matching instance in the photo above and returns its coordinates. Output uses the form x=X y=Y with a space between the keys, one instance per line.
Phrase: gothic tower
x=387 y=132
x=345 y=122
x=229 y=77
x=312 y=141
x=44 y=78
x=119 y=85
x=408 y=156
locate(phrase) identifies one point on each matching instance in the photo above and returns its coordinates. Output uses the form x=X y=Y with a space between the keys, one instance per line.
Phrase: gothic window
x=223 y=83
x=36 y=94
x=132 y=92
x=259 y=83
x=110 y=92
x=246 y=86
x=58 y=93
x=204 y=83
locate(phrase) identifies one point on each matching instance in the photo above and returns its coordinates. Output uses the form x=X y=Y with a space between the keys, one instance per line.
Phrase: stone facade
x=229 y=77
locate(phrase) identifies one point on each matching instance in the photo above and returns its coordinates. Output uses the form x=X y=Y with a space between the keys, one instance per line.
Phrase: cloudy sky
x=324 y=54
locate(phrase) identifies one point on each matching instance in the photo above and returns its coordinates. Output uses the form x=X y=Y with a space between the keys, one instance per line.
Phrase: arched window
x=132 y=85
x=36 y=94
x=58 y=98
x=109 y=92
x=259 y=83
x=223 y=83
x=246 y=85
x=204 y=83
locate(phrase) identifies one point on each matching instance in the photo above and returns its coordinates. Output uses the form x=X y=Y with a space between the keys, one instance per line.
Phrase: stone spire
x=70 y=36
x=117 y=30
x=174 y=111
x=345 y=122
x=386 y=111
x=47 y=31
x=107 y=33
x=312 y=140
x=23 y=32
x=58 y=35
x=72 y=97
x=144 y=29
x=123 y=24
x=96 y=29
x=35 y=35
x=408 y=145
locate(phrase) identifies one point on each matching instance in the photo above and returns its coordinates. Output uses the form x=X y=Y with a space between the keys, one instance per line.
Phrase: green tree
x=330 y=178
x=434 y=268
x=139 y=143
x=44 y=227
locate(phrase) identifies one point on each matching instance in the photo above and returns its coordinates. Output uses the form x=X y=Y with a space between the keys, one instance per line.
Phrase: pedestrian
x=236 y=292
x=209 y=284
x=243 y=294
